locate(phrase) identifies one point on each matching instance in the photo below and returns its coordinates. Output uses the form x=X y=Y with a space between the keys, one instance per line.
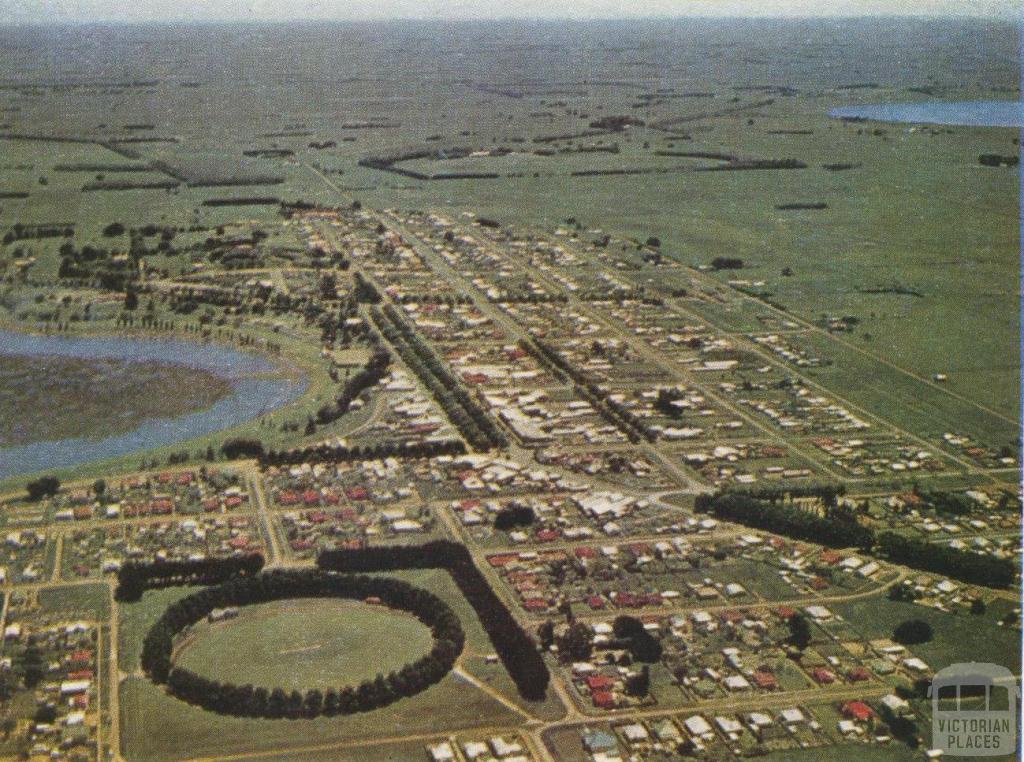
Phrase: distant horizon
x=63 y=12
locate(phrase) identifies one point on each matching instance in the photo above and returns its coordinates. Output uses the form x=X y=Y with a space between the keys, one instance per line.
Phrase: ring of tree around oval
x=224 y=600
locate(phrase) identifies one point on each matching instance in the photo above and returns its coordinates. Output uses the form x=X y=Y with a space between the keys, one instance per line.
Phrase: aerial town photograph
x=514 y=381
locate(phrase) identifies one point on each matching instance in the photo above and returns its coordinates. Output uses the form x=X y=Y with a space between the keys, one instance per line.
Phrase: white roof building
x=697 y=726
x=792 y=716
x=635 y=733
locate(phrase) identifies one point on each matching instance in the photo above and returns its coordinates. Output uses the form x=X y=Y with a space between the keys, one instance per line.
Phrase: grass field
x=77 y=600
x=156 y=726
x=860 y=752
x=396 y=752
x=961 y=637
x=305 y=643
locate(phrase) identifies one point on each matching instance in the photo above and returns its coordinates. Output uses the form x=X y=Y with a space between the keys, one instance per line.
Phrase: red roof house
x=823 y=676
x=858 y=710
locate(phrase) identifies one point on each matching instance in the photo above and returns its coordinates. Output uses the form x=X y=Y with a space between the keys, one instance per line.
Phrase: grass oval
x=304 y=643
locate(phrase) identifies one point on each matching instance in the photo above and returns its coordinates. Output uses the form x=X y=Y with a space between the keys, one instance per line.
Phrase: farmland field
x=932 y=290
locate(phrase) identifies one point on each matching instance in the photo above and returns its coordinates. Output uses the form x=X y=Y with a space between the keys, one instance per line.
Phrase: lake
x=257 y=387
x=959 y=113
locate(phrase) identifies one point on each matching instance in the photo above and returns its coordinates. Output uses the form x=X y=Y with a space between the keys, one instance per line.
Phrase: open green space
x=849 y=752
x=304 y=643
x=368 y=752
x=957 y=637
x=87 y=601
x=156 y=726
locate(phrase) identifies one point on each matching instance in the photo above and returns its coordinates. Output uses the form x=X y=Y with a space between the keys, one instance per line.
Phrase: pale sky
x=274 y=10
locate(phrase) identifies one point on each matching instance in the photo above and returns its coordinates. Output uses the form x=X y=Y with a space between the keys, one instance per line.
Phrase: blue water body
x=257 y=389
x=959 y=113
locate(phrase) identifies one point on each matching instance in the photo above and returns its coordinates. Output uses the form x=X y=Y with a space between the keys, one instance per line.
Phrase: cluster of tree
x=144 y=321
x=257 y=301
x=912 y=632
x=998 y=160
x=33 y=665
x=799 y=631
x=513 y=645
x=621 y=294
x=700 y=155
x=390 y=164
x=828 y=494
x=524 y=297
x=902 y=728
x=964 y=565
x=338 y=327
x=639 y=685
x=575 y=644
x=101 y=184
x=812 y=205
x=96 y=267
x=21 y=232
x=240 y=201
x=239 y=447
x=513 y=516
x=903 y=593
x=746 y=164
x=325 y=453
x=135 y=578
x=621 y=171
x=613 y=412
x=371 y=374
x=250 y=701
x=727 y=263
x=762 y=295
x=954 y=503
x=618 y=414
x=44 y=486
x=365 y=291
x=268 y=153
x=187 y=300
x=450 y=299
x=235 y=258
x=103 y=168
x=663 y=403
x=837 y=528
x=464 y=412
x=327 y=286
x=631 y=634
x=289 y=208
